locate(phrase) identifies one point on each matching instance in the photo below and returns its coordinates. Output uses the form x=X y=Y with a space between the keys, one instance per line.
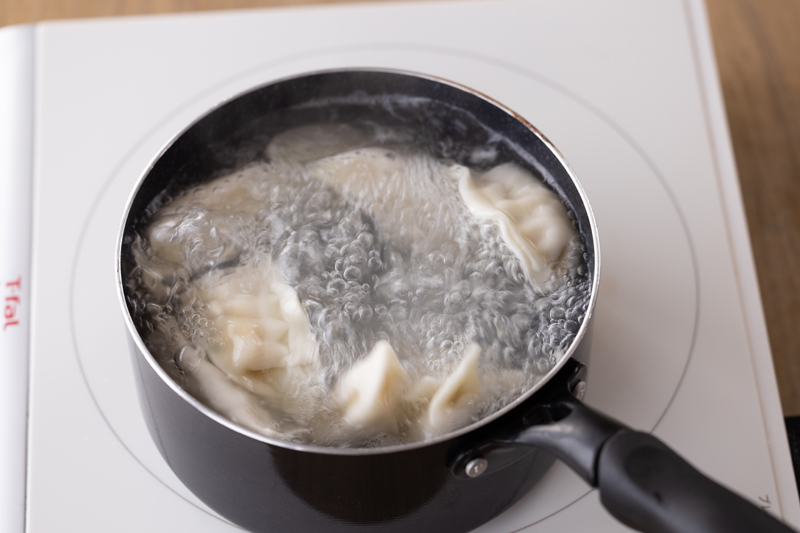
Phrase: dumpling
x=263 y=338
x=532 y=220
x=449 y=406
x=203 y=224
x=371 y=393
x=310 y=143
x=224 y=396
x=398 y=190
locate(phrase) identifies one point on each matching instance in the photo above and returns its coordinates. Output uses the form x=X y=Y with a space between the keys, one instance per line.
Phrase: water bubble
x=543 y=365
x=336 y=286
x=364 y=313
x=366 y=239
x=357 y=259
x=352 y=273
x=316 y=291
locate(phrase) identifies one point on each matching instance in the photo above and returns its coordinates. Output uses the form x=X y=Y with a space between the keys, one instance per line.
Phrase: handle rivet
x=579 y=389
x=476 y=467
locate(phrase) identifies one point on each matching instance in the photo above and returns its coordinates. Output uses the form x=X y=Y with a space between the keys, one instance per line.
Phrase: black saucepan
x=452 y=483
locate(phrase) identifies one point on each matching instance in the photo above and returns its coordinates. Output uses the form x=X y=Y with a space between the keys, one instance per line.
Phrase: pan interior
x=446 y=122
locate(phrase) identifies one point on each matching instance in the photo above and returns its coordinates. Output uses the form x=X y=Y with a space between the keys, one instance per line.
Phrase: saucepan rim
x=343 y=450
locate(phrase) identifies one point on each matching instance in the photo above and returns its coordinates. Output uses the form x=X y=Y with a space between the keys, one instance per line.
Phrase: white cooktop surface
x=624 y=89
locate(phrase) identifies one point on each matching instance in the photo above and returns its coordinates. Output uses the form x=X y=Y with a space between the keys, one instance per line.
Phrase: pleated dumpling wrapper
x=263 y=340
x=450 y=405
x=533 y=221
x=371 y=393
x=223 y=395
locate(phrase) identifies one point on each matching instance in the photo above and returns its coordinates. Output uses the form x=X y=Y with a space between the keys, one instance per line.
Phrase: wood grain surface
x=757 y=44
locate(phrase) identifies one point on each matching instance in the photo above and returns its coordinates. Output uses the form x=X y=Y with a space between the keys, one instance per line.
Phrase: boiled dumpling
x=398 y=190
x=371 y=393
x=449 y=406
x=532 y=220
x=263 y=338
x=363 y=175
x=310 y=143
x=361 y=172
x=203 y=225
x=224 y=396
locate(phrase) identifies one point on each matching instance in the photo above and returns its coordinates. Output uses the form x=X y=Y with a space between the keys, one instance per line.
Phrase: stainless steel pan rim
x=595 y=278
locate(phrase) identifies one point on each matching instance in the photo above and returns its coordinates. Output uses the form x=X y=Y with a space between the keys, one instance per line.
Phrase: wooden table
x=758 y=52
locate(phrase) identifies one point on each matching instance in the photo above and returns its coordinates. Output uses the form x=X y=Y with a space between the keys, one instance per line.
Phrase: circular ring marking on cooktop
x=625 y=362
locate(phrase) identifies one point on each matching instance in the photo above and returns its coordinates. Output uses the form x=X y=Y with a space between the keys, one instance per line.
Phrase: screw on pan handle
x=476 y=467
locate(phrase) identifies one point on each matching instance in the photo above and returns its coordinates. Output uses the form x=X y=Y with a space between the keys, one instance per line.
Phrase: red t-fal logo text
x=13 y=290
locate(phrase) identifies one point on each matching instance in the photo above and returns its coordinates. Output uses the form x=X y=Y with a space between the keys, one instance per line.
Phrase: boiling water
x=376 y=240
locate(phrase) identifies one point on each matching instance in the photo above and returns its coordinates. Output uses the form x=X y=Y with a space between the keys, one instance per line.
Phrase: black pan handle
x=642 y=482
x=648 y=487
